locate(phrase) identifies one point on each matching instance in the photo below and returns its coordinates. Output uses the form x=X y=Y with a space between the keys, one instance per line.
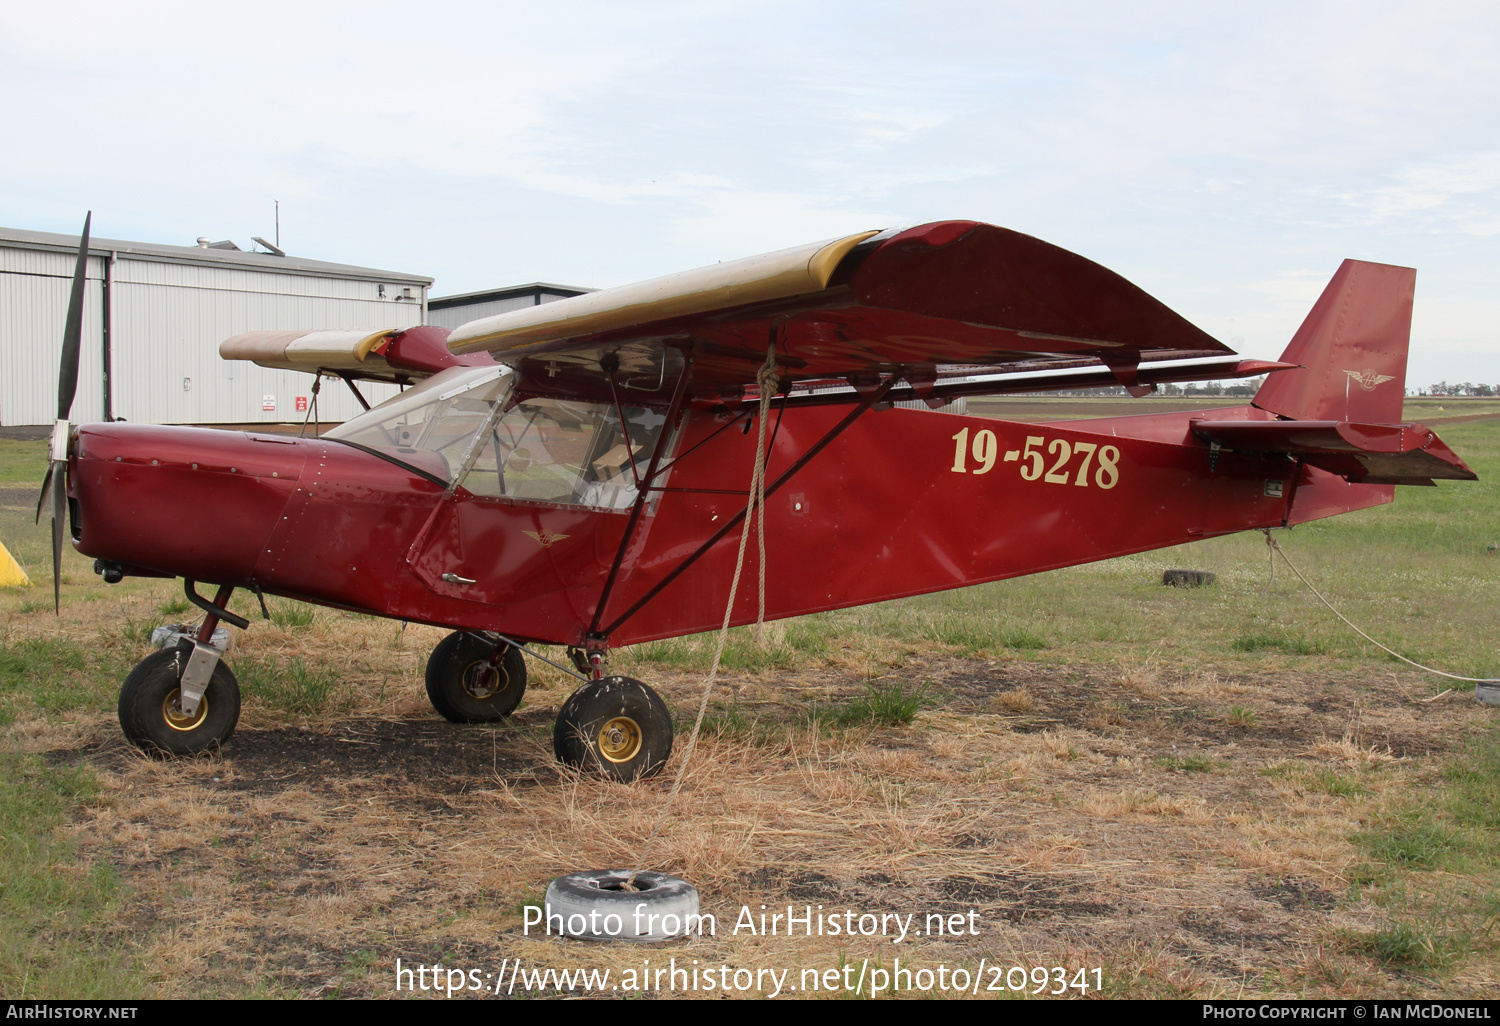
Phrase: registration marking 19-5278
x=984 y=450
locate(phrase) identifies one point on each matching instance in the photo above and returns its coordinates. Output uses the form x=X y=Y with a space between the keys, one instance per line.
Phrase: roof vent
x=203 y=241
x=225 y=244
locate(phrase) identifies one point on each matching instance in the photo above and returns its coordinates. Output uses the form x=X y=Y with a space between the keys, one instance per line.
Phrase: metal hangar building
x=451 y=311
x=154 y=316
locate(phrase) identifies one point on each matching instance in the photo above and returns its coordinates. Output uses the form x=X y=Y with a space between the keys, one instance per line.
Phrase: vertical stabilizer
x=1351 y=350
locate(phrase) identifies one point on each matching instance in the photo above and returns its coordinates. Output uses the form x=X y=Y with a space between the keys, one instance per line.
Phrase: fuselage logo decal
x=1367 y=379
x=546 y=537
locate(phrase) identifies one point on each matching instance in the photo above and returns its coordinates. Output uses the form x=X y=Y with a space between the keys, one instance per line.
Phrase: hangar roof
x=509 y=292
x=22 y=238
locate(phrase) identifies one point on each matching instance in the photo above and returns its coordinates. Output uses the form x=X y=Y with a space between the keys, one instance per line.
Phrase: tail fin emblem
x=1367 y=379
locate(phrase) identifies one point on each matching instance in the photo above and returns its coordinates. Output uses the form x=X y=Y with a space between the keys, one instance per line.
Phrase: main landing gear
x=473 y=680
x=614 y=726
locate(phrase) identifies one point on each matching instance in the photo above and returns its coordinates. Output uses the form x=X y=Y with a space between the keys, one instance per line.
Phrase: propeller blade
x=67 y=371
x=43 y=498
x=59 y=500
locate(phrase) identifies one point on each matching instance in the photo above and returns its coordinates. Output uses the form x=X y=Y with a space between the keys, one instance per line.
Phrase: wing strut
x=874 y=396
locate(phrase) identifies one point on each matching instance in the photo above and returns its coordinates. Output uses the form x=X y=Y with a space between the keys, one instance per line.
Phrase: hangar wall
x=160 y=313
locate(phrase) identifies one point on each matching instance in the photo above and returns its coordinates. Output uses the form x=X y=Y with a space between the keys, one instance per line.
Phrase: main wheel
x=151 y=707
x=466 y=688
x=617 y=727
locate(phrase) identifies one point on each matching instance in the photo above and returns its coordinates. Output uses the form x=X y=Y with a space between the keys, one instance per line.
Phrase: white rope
x=767 y=379
x=1451 y=676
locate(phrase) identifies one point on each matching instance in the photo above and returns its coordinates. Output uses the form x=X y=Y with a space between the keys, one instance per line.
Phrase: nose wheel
x=467 y=685
x=616 y=727
x=151 y=710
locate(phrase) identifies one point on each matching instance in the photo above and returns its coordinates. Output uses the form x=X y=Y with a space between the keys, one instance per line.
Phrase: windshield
x=429 y=426
x=462 y=427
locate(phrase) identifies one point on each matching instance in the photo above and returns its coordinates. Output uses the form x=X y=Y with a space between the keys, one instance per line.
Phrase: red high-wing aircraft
x=575 y=474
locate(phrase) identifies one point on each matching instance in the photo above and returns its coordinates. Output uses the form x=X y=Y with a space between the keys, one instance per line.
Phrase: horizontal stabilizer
x=1360 y=453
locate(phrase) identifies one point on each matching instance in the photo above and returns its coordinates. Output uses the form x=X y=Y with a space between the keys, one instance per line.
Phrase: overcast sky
x=1225 y=157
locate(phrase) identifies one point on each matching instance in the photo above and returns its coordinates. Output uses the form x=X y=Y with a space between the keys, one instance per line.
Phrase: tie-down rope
x=768 y=381
x=1276 y=548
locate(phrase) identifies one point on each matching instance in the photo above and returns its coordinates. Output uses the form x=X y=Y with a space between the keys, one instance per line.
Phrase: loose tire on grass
x=151 y=707
x=465 y=688
x=617 y=727
x=1187 y=578
x=594 y=906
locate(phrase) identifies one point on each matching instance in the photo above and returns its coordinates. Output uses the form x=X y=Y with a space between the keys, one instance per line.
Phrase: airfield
x=1199 y=792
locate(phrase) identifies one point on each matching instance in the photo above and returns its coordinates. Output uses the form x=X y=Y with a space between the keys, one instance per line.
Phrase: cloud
x=1461 y=193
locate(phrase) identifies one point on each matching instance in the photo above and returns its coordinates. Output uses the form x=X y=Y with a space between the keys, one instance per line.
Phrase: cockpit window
x=464 y=424
x=429 y=426
x=571 y=453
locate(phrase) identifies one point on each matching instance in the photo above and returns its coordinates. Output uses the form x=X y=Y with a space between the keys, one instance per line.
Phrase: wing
x=913 y=303
x=386 y=354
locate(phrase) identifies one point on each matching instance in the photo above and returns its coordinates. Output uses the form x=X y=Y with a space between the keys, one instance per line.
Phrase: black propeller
x=54 y=485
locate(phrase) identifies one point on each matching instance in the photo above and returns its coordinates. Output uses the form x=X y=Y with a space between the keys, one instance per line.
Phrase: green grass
x=894 y=705
x=293 y=614
x=787 y=644
x=59 y=932
x=1187 y=764
x=1412 y=945
x=1240 y=716
x=292 y=688
x=59 y=675
x=1434 y=863
x=1279 y=643
x=176 y=607
x=1414 y=843
x=23 y=463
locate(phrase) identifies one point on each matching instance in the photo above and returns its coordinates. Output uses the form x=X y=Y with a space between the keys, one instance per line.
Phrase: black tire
x=149 y=697
x=594 y=906
x=465 y=688
x=617 y=727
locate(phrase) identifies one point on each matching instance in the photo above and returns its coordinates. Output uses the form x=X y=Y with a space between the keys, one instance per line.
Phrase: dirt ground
x=1186 y=833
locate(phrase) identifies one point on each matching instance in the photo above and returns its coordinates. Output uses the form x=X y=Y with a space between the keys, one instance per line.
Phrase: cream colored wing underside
x=309 y=350
x=789 y=272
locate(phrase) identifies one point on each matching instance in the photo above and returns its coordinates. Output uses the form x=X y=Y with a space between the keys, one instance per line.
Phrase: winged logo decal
x=545 y=537
x=1367 y=379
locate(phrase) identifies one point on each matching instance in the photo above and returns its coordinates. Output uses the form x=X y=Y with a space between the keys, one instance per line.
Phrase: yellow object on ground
x=11 y=574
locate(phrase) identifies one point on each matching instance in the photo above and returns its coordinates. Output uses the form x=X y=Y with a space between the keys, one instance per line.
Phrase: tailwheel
x=468 y=684
x=617 y=727
x=151 y=713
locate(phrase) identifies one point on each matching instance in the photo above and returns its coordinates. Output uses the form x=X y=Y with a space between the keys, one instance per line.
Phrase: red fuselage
x=904 y=502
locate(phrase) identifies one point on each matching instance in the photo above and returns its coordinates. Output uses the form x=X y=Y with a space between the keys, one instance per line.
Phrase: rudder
x=1351 y=349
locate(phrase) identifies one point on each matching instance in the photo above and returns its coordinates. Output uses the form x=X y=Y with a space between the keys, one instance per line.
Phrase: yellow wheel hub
x=620 y=739
x=481 y=680
x=171 y=711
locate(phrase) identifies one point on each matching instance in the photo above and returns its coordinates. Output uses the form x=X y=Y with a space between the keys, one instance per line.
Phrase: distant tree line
x=1463 y=388
x=1247 y=387
x=1250 y=386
